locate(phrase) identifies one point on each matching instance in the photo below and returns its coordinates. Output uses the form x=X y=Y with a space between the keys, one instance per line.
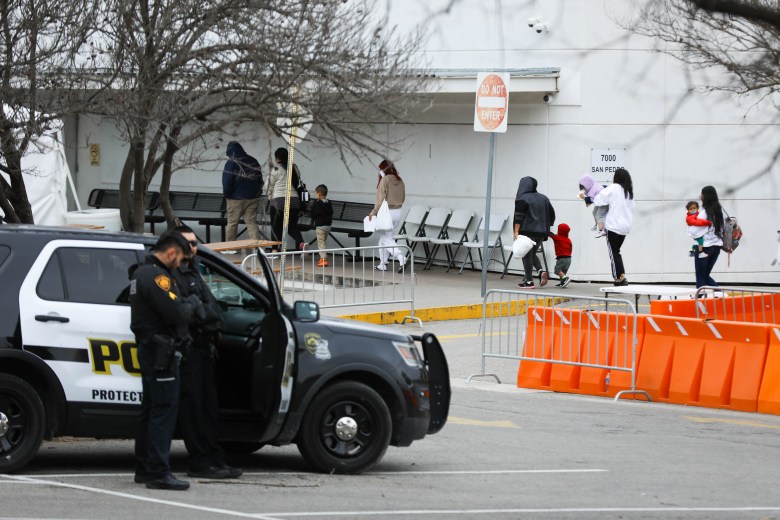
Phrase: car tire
x=22 y=423
x=346 y=429
x=240 y=448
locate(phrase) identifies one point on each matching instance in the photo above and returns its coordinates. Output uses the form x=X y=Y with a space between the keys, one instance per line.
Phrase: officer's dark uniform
x=199 y=408
x=156 y=307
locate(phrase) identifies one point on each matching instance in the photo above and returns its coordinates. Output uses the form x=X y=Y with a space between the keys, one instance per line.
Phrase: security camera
x=547 y=98
x=540 y=27
x=533 y=21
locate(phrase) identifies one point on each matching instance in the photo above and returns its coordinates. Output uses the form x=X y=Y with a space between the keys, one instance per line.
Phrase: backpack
x=732 y=234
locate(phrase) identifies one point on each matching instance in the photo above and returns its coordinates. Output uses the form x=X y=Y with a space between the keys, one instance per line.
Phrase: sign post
x=491 y=112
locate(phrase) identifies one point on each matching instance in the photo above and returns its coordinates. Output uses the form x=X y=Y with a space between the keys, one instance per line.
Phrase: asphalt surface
x=504 y=453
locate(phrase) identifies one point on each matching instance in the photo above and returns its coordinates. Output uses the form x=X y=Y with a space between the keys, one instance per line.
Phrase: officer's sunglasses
x=193 y=243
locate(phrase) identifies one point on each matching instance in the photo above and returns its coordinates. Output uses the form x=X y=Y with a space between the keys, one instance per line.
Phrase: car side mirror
x=306 y=311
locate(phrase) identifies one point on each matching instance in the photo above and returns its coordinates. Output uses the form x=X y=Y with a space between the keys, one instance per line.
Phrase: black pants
x=159 y=409
x=614 y=242
x=530 y=260
x=199 y=410
x=277 y=225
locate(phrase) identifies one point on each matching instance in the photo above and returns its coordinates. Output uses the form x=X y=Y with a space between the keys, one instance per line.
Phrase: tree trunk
x=139 y=189
x=165 y=184
x=126 y=190
x=16 y=196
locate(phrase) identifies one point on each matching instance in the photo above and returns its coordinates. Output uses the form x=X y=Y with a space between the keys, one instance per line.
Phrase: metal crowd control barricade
x=738 y=304
x=547 y=328
x=349 y=279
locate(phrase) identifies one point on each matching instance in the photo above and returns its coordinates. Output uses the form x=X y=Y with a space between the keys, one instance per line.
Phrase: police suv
x=341 y=390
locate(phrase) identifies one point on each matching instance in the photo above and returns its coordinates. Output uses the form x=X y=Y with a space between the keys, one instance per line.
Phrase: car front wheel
x=346 y=429
x=22 y=422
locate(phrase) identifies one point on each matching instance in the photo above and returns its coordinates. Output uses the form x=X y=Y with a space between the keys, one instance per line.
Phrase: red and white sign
x=491 y=109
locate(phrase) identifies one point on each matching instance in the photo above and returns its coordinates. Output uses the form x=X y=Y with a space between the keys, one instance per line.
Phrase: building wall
x=614 y=91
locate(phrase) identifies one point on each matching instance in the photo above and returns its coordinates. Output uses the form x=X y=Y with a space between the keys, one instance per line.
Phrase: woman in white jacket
x=619 y=196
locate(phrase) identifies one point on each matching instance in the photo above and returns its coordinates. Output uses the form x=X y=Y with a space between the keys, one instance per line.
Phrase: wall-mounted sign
x=491 y=109
x=604 y=162
x=94 y=154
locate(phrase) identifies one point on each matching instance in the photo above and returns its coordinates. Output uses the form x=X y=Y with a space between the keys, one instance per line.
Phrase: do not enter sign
x=491 y=109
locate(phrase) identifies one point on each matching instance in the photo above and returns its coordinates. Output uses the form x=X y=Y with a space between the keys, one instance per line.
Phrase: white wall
x=614 y=91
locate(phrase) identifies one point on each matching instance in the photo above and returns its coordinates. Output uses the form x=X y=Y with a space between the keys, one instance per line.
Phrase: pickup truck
x=343 y=391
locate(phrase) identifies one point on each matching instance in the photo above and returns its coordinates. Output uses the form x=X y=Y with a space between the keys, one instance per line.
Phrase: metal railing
x=738 y=304
x=349 y=280
x=572 y=330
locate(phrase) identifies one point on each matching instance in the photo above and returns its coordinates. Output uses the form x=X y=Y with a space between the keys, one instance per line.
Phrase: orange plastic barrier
x=716 y=364
x=769 y=395
x=538 y=344
x=569 y=335
x=762 y=308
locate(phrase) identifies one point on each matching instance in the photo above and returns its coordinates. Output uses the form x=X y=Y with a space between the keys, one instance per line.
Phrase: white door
x=75 y=316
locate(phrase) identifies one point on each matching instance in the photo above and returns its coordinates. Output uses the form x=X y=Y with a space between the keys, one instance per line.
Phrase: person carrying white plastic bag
x=391 y=192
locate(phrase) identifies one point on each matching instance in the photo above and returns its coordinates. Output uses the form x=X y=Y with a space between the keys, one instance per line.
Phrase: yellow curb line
x=454 y=312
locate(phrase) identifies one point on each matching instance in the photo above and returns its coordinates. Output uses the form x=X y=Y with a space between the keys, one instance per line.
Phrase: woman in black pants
x=277 y=189
x=619 y=196
x=710 y=210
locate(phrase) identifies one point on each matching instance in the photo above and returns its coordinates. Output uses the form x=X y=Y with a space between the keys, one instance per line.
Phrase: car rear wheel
x=346 y=429
x=22 y=423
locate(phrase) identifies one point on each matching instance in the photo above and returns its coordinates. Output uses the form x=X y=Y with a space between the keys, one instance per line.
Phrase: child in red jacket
x=562 y=253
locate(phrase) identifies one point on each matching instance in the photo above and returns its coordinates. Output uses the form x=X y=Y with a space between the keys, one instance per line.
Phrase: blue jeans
x=704 y=266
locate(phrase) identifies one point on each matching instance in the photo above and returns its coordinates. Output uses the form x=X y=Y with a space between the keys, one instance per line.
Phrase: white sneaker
x=601 y=233
x=380 y=267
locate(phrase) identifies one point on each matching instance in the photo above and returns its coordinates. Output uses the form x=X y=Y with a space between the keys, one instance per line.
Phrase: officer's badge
x=163 y=282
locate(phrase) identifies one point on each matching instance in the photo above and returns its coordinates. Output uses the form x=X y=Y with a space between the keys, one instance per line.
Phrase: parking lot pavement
x=522 y=454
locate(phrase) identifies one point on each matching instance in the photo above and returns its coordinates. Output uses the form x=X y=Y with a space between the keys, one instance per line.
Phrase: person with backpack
x=713 y=237
x=242 y=185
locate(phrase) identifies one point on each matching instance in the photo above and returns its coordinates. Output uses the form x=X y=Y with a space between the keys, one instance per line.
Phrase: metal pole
x=488 y=196
x=285 y=227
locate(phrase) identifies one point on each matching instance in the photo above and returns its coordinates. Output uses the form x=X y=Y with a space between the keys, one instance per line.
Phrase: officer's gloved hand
x=198 y=311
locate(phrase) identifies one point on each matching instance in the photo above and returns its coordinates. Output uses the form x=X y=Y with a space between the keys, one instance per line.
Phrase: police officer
x=159 y=319
x=199 y=409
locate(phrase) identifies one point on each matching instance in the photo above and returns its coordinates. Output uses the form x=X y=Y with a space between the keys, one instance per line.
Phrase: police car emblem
x=316 y=345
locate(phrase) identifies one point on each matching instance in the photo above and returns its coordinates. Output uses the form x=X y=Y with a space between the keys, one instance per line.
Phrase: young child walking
x=563 y=249
x=322 y=214
x=589 y=188
x=697 y=228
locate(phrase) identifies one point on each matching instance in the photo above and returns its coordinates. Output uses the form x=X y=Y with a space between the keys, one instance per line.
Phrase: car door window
x=84 y=275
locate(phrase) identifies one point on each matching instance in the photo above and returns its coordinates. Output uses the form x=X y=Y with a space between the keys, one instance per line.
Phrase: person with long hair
x=713 y=237
x=619 y=196
x=389 y=187
x=277 y=190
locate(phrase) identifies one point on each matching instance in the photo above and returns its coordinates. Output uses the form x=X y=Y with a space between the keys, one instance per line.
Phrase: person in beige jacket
x=390 y=188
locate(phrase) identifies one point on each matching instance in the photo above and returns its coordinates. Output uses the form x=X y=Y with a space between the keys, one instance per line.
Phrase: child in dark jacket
x=563 y=249
x=322 y=214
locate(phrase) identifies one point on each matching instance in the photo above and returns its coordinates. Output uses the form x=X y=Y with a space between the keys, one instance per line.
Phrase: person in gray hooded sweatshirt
x=534 y=215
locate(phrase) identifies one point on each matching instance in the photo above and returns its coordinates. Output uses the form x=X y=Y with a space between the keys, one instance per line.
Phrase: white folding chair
x=435 y=224
x=412 y=225
x=493 y=237
x=454 y=235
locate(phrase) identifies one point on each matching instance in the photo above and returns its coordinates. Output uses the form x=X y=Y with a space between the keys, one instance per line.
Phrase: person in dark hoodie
x=562 y=253
x=534 y=215
x=242 y=185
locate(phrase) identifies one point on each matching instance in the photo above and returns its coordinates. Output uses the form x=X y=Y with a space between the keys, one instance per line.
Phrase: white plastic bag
x=369 y=225
x=521 y=246
x=384 y=221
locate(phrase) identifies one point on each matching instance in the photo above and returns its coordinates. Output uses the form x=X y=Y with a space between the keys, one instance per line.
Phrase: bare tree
x=190 y=69
x=46 y=63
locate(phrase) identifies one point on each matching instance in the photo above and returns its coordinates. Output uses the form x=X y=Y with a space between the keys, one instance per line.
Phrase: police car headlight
x=409 y=353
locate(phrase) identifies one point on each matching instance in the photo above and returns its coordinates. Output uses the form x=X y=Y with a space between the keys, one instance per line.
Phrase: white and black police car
x=341 y=390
